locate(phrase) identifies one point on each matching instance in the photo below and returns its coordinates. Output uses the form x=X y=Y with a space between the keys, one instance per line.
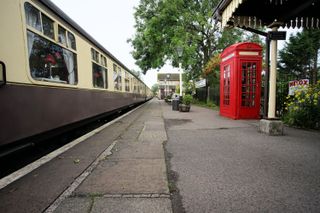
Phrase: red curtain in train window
x=250 y=99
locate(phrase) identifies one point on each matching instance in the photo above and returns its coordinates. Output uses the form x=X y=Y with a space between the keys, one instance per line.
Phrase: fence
x=214 y=94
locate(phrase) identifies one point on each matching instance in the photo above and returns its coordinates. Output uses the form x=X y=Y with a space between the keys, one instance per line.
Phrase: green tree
x=155 y=89
x=163 y=25
x=299 y=57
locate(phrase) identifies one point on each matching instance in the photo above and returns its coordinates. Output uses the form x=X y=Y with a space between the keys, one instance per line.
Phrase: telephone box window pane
x=47 y=24
x=248 y=83
x=32 y=16
x=226 y=85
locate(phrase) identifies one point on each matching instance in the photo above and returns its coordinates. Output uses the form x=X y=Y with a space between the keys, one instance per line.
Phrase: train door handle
x=3 y=79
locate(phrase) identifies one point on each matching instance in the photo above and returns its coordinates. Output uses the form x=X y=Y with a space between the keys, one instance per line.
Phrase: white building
x=168 y=82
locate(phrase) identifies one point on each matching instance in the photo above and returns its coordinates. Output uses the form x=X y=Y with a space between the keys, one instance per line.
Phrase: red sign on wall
x=297 y=85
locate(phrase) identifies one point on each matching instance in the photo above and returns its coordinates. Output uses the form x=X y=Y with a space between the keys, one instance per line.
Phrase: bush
x=303 y=109
x=209 y=104
x=187 y=99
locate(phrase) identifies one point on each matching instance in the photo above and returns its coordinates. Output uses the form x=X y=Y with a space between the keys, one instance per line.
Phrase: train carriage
x=53 y=74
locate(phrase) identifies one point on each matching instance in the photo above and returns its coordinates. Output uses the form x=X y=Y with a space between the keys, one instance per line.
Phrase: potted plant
x=185 y=105
x=168 y=99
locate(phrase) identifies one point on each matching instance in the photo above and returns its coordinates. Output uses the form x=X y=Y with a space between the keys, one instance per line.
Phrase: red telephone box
x=240 y=81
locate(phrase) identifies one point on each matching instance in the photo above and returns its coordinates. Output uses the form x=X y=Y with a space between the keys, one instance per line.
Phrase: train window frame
x=97 y=72
x=62 y=33
x=70 y=45
x=58 y=65
x=67 y=53
x=127 y=81
x=44 y=31
x=115 y=78
x=95 y=55
x=71 y=41
x=131 y=83
x=120 y=78
x=103 y=60
x=28 y=19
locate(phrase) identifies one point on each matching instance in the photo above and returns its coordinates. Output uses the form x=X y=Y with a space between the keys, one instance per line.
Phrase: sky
x=111 y=23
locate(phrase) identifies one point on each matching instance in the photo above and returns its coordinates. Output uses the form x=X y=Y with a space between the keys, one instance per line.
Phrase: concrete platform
x=224 y=165
x=87 y=178
x=219 y=165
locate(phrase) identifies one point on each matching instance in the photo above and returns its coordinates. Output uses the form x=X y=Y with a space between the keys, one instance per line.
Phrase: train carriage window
x=131 y=83
x=119 y=79
x=50 y=62
x=47 y=25
x=103 y=61
x=94 y=55
x=99 y=75
x=135 y=89
x=127 y=82
x=32 y=16
x=115 y=77
x=62 y=35
x=71 y=41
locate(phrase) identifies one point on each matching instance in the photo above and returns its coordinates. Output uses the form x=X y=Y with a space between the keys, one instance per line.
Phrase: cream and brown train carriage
x=53 y=73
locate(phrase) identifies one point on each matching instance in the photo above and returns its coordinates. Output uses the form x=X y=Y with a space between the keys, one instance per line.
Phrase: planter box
x=184 y=108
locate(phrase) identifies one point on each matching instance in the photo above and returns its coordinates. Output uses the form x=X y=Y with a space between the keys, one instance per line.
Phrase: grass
x=209 y=105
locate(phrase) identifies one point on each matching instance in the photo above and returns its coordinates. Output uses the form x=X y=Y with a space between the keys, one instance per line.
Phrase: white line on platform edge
x=29 y=168
x=79 y=179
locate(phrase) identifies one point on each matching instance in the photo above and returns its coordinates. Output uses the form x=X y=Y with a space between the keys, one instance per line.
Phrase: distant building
x=167 y=84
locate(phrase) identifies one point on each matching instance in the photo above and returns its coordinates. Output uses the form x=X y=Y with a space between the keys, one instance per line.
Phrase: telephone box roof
x=246 y=46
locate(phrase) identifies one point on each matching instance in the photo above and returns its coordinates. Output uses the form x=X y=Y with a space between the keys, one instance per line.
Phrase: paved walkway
x=223 y=165
x=120 y=169
x=133 y=178
x=215 y=165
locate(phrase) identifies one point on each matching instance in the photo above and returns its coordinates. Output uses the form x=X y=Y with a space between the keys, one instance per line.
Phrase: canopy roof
x=259 y=13
x=168 y=76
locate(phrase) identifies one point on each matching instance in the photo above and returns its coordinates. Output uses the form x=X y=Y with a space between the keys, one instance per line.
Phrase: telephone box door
x=249 y=89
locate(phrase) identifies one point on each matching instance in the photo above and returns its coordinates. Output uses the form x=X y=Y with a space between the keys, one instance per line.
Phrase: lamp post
x=165 y=88
x=180 y=51
x=168 y=86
